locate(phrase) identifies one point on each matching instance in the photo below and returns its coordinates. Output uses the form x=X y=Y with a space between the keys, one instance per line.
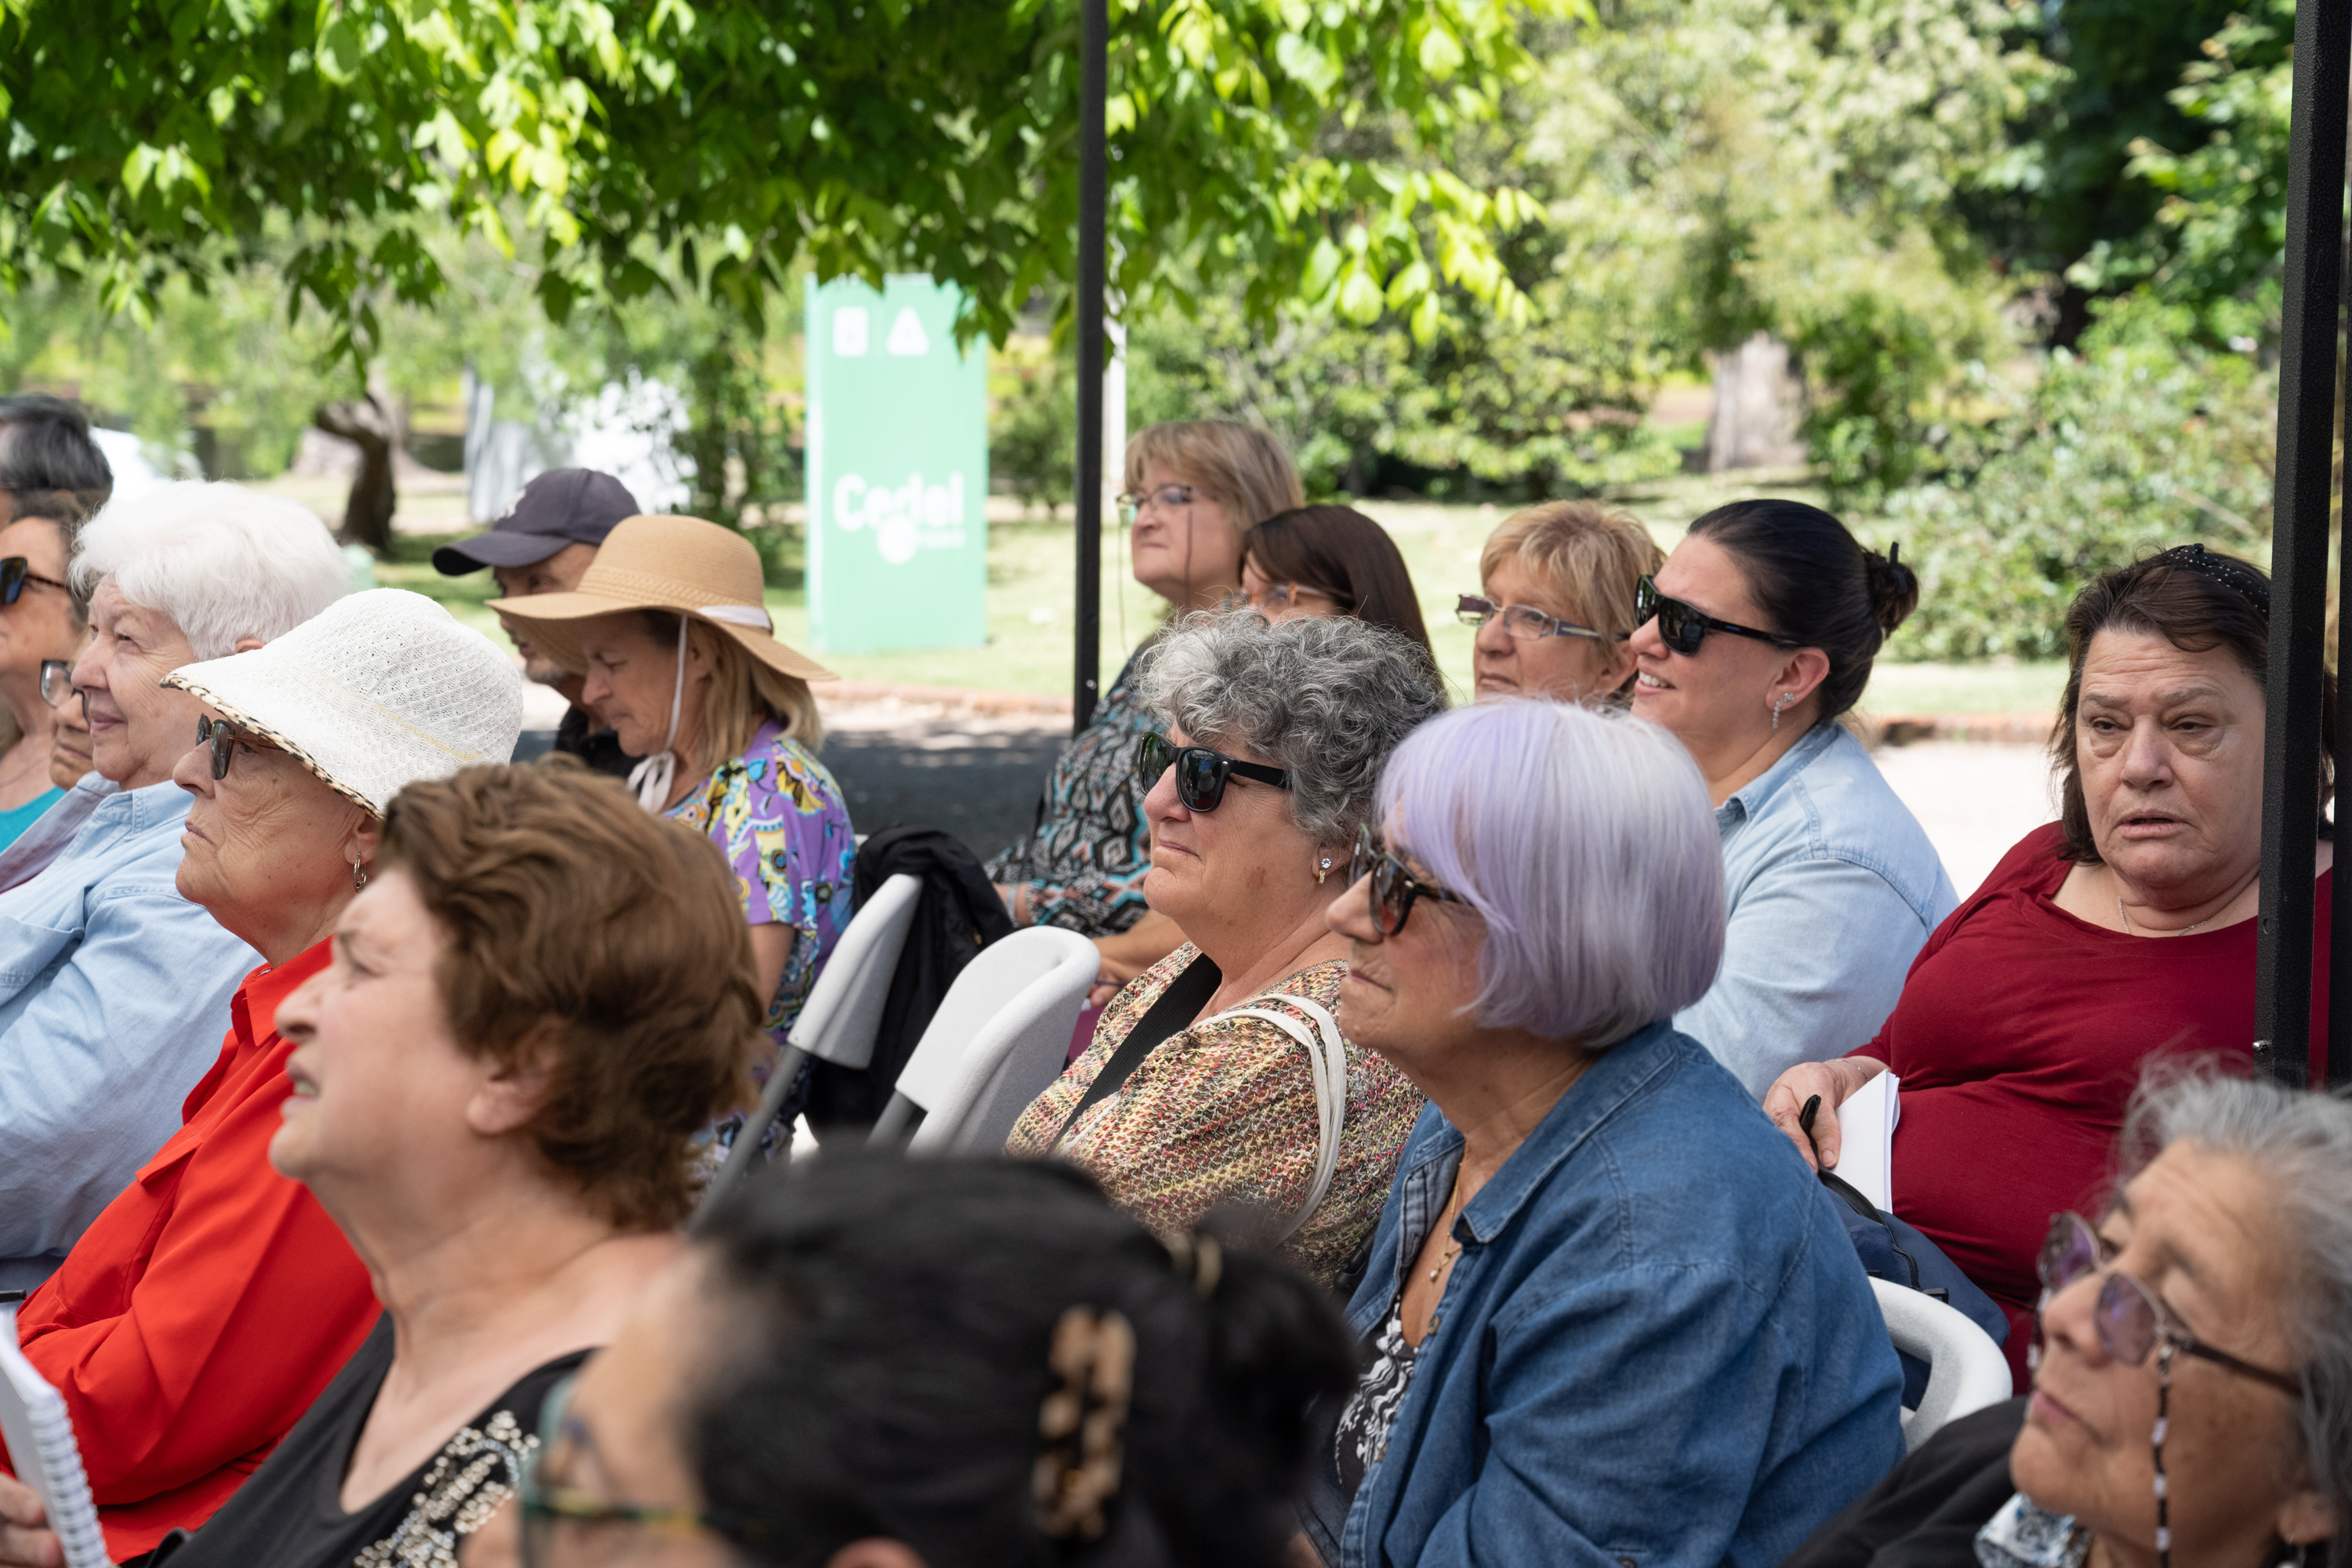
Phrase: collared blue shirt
x=115 y=994
x=1832 y=888
x=1656 y=1350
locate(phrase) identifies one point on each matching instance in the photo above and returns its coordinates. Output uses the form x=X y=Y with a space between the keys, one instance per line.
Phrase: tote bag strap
x=1327 y=1058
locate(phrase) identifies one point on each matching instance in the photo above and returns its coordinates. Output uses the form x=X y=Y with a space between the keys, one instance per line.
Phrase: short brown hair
x=1238 y=466
x=611 y=940
x=2196 y=601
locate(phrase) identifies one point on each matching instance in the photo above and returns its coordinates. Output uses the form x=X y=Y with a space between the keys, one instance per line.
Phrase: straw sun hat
x=375 y=692
x=682 y=565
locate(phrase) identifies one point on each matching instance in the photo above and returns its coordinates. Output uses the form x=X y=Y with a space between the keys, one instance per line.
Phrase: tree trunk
x=1757 y=407
x=370 y=426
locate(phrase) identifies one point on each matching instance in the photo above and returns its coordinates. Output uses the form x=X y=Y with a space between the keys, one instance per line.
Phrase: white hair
x=223 y=562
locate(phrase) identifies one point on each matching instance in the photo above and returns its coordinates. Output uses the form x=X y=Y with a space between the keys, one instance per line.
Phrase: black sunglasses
x=1394 y=888
x=16 y=572
x=223 y=739
x=1201 y=773
x=1683 y=629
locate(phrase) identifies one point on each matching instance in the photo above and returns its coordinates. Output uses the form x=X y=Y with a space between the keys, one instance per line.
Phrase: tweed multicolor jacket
x=1224 y=1112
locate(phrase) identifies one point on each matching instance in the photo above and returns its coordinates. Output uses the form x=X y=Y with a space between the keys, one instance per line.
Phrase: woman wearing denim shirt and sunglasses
x=1609 y=1322
x=1753 y=640
x=1218 y=1076
x=2191 y=1395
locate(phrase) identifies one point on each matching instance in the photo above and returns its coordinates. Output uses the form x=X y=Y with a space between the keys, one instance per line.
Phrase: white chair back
x=843 y=1010
x=1002 y=1034
x=1966 y=1370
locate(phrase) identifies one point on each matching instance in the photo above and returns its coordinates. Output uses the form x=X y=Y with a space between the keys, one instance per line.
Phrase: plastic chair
x=998 y=1039
x=1965 y=1371
x=843 y=1014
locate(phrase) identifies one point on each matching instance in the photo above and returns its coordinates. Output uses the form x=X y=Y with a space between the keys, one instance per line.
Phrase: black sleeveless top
x=291 y=1514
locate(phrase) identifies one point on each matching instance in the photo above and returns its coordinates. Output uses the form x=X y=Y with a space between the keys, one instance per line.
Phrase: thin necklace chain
x=2184 y=931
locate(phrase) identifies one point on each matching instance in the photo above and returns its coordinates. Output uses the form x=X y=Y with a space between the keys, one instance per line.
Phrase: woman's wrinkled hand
x=1833 y=1080
x=26 y=1539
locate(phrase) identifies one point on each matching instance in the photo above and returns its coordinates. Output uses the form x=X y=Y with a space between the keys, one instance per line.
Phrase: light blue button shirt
x=115 y=994
x=1832 y=888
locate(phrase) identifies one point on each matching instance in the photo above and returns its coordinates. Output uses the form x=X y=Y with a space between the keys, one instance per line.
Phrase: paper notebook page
x=41 y=1446
x=1866 y=1140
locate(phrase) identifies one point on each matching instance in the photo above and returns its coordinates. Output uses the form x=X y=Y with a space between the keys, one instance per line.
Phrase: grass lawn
x=1031 y=583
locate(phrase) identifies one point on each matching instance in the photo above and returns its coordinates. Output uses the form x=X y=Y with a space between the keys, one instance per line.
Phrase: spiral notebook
x=41 y=1446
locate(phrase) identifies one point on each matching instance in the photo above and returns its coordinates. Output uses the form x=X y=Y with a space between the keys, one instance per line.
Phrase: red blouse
x=208 y=1304
x=2019 y=1038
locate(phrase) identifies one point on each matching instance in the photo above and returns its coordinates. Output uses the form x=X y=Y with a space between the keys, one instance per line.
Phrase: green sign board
x=897 y=470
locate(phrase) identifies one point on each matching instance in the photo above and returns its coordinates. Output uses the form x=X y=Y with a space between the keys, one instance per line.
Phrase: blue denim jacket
x=115 y=994
x=1832 y=890
x=1656 y=1350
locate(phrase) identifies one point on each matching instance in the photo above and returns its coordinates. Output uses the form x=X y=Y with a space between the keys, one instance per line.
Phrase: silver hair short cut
x=2300 y=1143
x=1585 y=842
x=1327 y=698
x=223 y=562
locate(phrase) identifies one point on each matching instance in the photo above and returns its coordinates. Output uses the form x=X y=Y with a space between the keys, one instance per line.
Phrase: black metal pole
x=1093 y=179
x=2314 y=224
x=2339 y=943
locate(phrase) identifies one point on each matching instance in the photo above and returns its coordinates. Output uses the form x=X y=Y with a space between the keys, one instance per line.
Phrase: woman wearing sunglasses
x=1219 y=1076
x=42 y=622
x=1753 y=640
x=1608 y=1319
x=1555 y=603
x=2192 y=1391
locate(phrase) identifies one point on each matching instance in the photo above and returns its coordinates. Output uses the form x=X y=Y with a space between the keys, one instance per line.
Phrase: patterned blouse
x=1224 y=1111
x=777 y=816
x=1084 y=865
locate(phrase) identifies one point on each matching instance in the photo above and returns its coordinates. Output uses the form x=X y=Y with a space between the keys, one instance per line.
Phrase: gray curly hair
x=2301 y=1143
x=1326 y=699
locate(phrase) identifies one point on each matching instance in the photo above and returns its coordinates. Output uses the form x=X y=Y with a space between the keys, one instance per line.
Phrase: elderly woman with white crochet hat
x=669 y=629
x=211 y=1301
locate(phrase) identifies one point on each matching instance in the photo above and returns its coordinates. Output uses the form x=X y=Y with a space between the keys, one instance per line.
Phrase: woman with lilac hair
x=1607 y=1319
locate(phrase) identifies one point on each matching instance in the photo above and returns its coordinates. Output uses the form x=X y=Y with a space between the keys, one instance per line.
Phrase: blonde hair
x=744 y=694
x=1588 y=555
x=1240 y=466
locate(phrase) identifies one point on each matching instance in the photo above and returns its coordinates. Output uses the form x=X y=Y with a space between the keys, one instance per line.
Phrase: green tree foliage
x=735 y=135
x=2140 y=441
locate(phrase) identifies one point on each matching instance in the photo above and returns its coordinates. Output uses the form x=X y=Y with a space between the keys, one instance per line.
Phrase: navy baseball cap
x=560 y=507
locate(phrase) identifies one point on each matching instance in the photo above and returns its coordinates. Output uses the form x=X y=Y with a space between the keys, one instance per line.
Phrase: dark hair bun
x=1893 y=587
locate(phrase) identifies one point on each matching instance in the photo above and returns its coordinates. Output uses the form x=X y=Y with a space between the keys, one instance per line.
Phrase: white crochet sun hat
x=376 y=691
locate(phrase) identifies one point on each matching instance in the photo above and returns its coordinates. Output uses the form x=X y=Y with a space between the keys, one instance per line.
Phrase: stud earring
x=1322 y=870
x=1786 y=698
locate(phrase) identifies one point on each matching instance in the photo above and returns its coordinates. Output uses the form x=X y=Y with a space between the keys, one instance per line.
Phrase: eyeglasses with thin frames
x=1277 y=597
x=551 y=1511
x=56 y=681
x=1683 y=628
x=1524 y=623
x=1166 y=497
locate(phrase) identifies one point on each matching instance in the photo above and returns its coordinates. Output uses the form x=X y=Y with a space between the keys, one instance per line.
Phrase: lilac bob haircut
x=1585 y=842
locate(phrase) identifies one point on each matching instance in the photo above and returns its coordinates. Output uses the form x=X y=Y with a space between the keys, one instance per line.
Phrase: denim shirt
x=1657 y=1349
x=1832 y=888
x=115 y=994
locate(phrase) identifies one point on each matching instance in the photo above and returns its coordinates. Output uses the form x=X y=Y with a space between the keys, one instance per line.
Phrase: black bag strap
x=1177 y=1007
